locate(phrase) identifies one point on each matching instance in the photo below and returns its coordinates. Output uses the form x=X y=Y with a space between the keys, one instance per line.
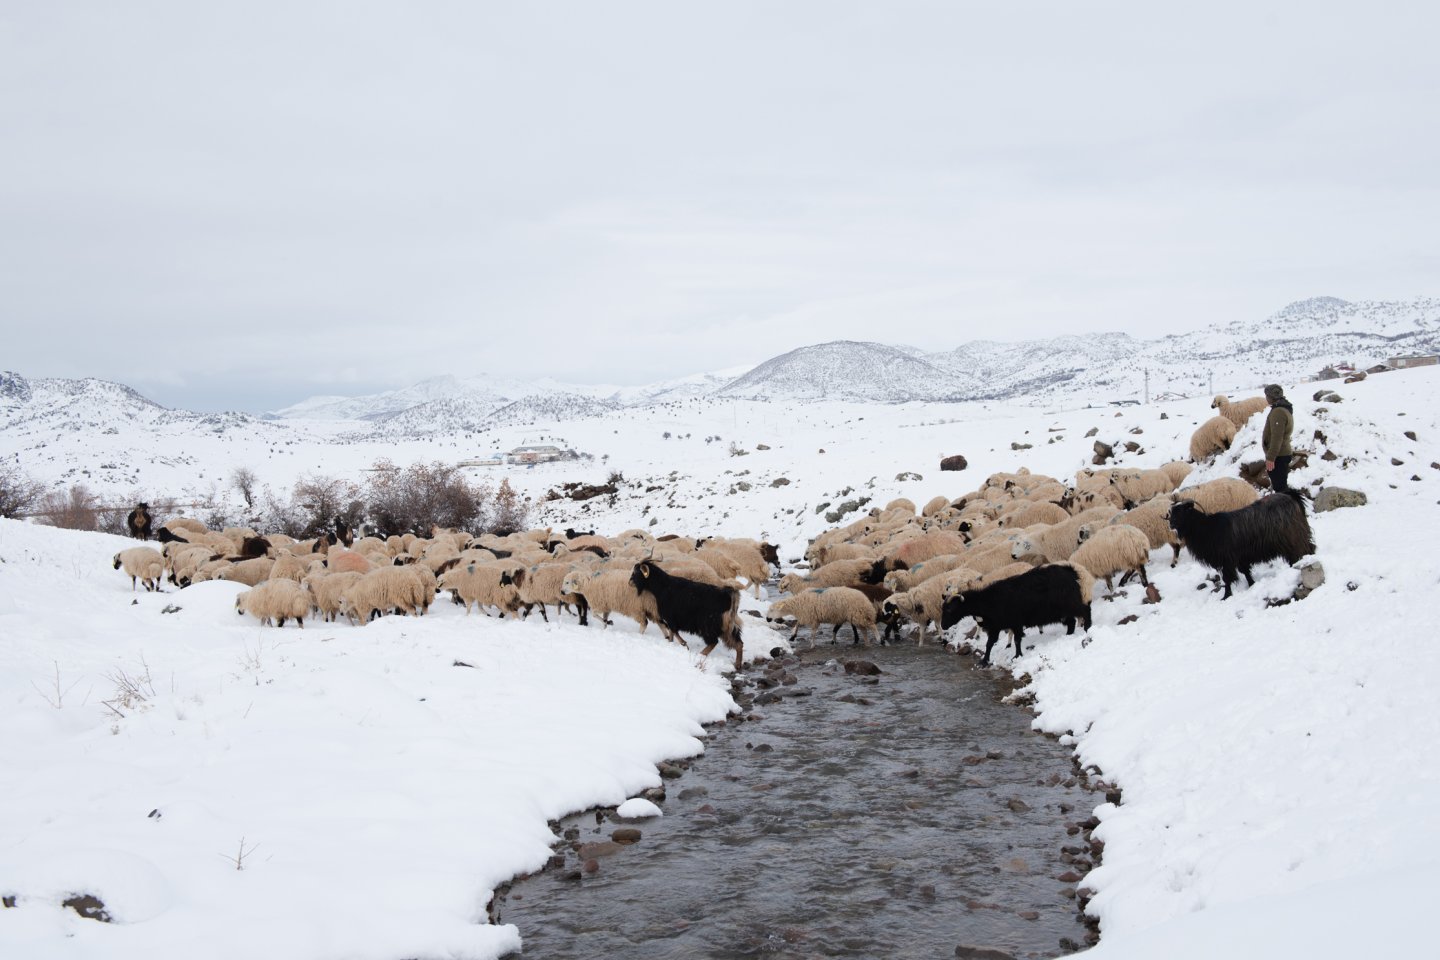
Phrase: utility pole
x=1147 y=386
x=1210 y=382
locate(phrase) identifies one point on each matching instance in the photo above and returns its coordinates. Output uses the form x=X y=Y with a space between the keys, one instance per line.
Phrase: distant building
x=1328 y=373
x=1414 y=360
x=1379 y=368
x=494 y=460
x=536 y=454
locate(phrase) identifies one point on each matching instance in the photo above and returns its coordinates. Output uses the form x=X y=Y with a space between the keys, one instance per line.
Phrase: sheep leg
x=1110 y=585
x=1019 y=634
x=854 y=633
x=1144 y=579
x=1125 y=578
x=542 y=612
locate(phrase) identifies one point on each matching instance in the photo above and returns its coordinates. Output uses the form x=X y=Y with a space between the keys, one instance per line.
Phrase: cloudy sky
x=239 y=205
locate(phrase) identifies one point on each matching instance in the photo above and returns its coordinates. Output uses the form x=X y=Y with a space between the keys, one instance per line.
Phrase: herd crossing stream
x=905 y=813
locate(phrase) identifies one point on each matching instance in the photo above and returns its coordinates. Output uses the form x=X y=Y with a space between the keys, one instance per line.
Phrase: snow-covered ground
x=1278 y=762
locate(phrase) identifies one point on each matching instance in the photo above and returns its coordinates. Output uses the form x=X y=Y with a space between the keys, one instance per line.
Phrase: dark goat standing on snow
x=138 y=522
x=687 y=606
x=1051 y=593
x=1236 y=540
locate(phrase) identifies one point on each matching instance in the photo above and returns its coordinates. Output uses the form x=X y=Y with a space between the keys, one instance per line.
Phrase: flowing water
x=897 y=815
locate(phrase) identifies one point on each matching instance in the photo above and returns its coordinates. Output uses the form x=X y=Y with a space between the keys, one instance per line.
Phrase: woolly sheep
x=836 y=606
x=289 y=567
x=274 y=602
x=749 y=562
x=177 y=524
x=1177 y=471
x=934 y=505
x=540 y=584
x=1216 y=496
x=143 y=564
x=841 y=573
x=1108 y=549
x=955 y=585
x=1240 y=411
x=922 y=605
x=380 y=591
x=1141 y=485
x=902 y=580
x=348 y=561
x=184 y=562
x=1055 y=543
x=1027 y=513
x=1149 y=519
x=1211 y=437
x=610 y=592
x=325 y=591
x=483 y=584
x=922 y=548
x=249 y=572
x=209 y=569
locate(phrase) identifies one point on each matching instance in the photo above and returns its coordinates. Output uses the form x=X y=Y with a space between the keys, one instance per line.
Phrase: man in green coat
x=1276 y=438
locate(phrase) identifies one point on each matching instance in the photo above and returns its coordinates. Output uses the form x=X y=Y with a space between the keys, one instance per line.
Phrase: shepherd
x=1275 y=438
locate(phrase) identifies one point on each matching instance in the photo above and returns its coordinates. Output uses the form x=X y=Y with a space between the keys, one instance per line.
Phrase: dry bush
x=18 y=493
x=73 y=509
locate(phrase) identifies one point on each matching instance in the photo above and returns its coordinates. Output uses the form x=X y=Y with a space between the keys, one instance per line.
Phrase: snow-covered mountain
x=850 y=370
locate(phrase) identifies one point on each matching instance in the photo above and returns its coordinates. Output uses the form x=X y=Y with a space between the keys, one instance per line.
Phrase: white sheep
x=1027 y=513
x=835 y=606
x=249 y=572
x=902 y=580
x=1219 y=495
x=483 y=584
x=1140 y=485
x=1211 y=437
x=956 y=585
x=325 y=591
x=274 y=602
x=145 y=564
x=934 y=505
x=1238 y=412
x=610 y=591
x=380 y=591
x=1150 y=518
x=541 y=584
x=1108 y=549
x=289 y=567
x=1177 y=471
x=841 y=573
x=922 y=605
x=748 y=561
x=1055 y=543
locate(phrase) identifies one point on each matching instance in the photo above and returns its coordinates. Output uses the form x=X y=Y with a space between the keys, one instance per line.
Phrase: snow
x=638 y=808
x=1281 y=790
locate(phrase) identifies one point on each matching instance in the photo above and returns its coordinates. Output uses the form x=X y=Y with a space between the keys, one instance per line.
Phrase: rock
x=1329 y=455
x=1124 y=620
x=670 y=772
x=1152 y=594
x=1017 y=805
x=1019 y=446
x=599 y=848
x=1091 y=432
x=908 y=475
x=1396 y=462
x=625 y=835
x=1332 y=398
x=1132 y=447
x=1318 y=394
x=1312 y=575
x=956 y=462
x=1103 y=452
x=1334 y=498
x=967 y=952
x=1028 y=914
x=780 y=482
x=1410 y=435
x=1320 y=436
x=1136 y=431
x=88 y=906
x=592 y=866
x=762 y=446
x=1253 y=472
x=863 y=668
x=1164 y=415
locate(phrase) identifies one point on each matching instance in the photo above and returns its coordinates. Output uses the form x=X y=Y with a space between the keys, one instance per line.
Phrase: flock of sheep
x=900 y=565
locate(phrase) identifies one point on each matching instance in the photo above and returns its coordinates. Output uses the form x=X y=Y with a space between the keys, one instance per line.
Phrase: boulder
x=1334 y=498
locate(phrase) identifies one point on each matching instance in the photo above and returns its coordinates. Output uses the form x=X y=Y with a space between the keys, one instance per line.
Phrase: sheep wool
x=835 y=606
x=1106 y=550
x=275 y=601
x=1211 y=437
x=144 y=564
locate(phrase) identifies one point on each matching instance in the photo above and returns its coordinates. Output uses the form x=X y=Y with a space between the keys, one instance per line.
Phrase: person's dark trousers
x=1280 y=476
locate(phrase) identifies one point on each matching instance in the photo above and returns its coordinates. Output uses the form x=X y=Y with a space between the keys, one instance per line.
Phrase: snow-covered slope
x=849 y=370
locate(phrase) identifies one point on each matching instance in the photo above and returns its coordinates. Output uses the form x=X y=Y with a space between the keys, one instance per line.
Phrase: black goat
x=571 y=534
x=687 y=606
x=1271 y=528
x=1047 y=594
x=252 y=547
x=166 y=535
x=138 y=522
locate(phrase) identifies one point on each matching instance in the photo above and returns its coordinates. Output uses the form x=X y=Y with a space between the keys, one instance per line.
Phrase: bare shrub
x=321 y=499
x=422 y=496
x=244 y=480
x=18 y=493
x=73 y=509
x=509 y=512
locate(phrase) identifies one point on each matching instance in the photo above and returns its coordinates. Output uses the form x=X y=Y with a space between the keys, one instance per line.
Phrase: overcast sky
x=239 y=205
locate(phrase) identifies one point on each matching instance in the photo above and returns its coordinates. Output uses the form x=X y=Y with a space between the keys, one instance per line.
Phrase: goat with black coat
x=688 y=606
x=138 y=522
x=1271 y=528
x=1052 y=593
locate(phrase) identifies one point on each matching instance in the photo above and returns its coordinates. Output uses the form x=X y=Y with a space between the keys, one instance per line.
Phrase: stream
x=905 y=813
